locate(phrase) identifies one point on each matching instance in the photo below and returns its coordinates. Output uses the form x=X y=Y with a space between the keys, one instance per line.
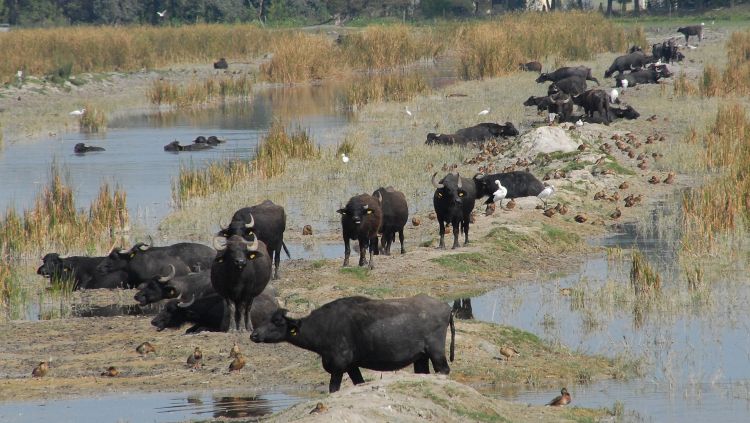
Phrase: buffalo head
x=237 y=250
x=277 y=329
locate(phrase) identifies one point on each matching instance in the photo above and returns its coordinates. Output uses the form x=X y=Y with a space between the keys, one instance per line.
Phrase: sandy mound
x=547 y=139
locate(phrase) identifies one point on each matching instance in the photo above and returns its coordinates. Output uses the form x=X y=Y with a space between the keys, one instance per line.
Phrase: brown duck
x=235 y=351
x=307 y=230
x=580 y=218
x=669 y=179
x=195 y=359
x=319 y=408
x=624 y=185
x=654 y=180
x=40 y=370
x=563 y=399
x=111 y=372
x=550 y=212
x=145 y=348
x=238 y=363
x=416 y=221
x=510 y=205
x=509 y=352
x=490 y=209
x=616 y=214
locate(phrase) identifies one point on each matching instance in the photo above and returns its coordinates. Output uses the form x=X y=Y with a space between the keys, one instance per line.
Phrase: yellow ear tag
x=251 y=256
x=293 y=331
x=369 y=211
x=132 y=255
x=440 y=195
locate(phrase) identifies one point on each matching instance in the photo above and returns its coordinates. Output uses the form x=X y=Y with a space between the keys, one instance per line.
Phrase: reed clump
x=683 y=87
x=388 y=87
x=300 y=57
x=392 y=46
x=55 y=222
x=198 y=93
x=93 y=121
x=643 y=277
x=735 y=79
x=275 y=150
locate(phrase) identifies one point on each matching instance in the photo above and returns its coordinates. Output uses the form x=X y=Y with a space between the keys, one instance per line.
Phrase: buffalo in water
x=81 y=271
x=175 y=146
x=82 y=148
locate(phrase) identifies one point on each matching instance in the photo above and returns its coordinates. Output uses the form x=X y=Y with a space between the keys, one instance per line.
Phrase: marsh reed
x=197 y=93
x=386 y=87
x=643 y=277
x=93 y=121
x=55 y=222
x=734 y=80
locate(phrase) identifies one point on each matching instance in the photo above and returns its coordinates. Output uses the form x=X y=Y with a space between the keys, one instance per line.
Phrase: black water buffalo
x=627 y=112
x=645 y=76
x=267 y=221
x=562 y=105
x=197 y=284
x=395 y=214
x=175 y=146
x=518 y=183
x=221 y=64
x=628 y=62
x=531 y=67
x=143 y=262
x=454 y=200
x=82 y=148
x=206 y=313
x=694 y=30
x=361 y=219
x=572 y=85
x=541 y=103
x=594 y=101
x=81 y=271
x=565 y=72
x=445 y=139
x=383 y=335
x=667 y=51
x=487 y=130
x=240 y=272
x=211 y=140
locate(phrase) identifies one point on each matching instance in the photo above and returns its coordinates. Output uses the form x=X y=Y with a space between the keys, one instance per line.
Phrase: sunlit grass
x=388 y=87
x=93 y=121
x=195 y=93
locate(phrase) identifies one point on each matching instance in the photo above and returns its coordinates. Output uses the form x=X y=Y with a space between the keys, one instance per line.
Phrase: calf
x=207 y=313
x=627 y=112
x=594 y=101
x=382 y=335
x=166 y=287
x=687 y=31
x=267 y=221
x=361 y=219
x=395 y=214
x=81 y=271
x=454 y=200
x=531 y=67
x=635 y=60
x=565 y=72
x=239 y=273
x=518 y=183
x=572 y=85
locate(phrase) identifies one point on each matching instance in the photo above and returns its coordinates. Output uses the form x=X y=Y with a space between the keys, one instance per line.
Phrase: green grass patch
x=317 y=264
x=462 y=262
x=617 y=167
x=559 y=236
x=360 y=273
x=377 y=292
x=509 y=241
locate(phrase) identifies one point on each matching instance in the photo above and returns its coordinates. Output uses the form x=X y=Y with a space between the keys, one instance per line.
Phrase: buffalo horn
x=458 y=177
x=253 y=246
x=188 y=304
x=219 y=243
x=434 y=182
x=479 y=176
x=165 y=279
x=112 y=248
x=251 y=223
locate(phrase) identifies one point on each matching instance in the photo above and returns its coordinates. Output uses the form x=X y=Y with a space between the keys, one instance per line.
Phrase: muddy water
x=153 y=407
x=696 y=355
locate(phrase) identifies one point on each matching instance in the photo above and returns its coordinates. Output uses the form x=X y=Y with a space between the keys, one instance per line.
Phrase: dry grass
x=389 y=47
x=93 y=121
x=735 y=79
x=55 y=222
x=643 y=277
x=300 y=57
x=388 y=87
x=199 y=93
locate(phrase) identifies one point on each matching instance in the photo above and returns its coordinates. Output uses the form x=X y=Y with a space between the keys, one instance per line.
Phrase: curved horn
x=434 y=182
x=187 y=304
x=253 y=246
x=251 y=223
x=379 y=197
x=165 y=279
x=458 y=176
x=112 y=248
x=150 y=242
x=479 y=176
x=219 y=243
x=122 y=251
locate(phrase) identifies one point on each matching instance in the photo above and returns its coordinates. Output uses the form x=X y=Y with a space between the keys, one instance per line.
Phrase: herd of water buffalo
x=226 y=287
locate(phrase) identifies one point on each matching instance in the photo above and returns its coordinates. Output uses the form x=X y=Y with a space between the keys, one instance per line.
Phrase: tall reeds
x=643 y=277
x=300 y=57
x=392 y=46
x=196 y=93
x=55 y=222
x=387 y=87
x=735 y=79
x=93 y=121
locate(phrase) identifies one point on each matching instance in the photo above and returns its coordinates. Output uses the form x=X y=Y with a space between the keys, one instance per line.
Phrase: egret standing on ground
x=344 y=158
x=484 y=112
x=408 y=112
x=613 y=96
x=546 y=193
x=78 y=112
x=579 y=123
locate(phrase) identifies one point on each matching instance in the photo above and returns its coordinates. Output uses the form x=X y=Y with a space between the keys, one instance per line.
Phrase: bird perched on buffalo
x=454 y=200
x=361 y=219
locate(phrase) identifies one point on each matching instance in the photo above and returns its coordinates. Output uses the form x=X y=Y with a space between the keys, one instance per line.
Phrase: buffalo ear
x=341 y=211
x=223 y=232
x=292 y=326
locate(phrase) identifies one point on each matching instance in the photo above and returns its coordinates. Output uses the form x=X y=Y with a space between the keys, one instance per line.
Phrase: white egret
x=579 y=123
x=613 y=96
x=78 y=112
x=546 y=193
x=344 y=158
x=500 y=193
x=162 y=13
x=484 y=112
x=408 y=112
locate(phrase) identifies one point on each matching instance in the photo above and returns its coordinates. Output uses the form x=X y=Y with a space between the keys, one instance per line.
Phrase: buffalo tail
x=453 y=337
x=286 y=250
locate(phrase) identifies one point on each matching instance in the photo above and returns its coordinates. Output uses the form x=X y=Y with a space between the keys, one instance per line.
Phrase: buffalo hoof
x=403 y=251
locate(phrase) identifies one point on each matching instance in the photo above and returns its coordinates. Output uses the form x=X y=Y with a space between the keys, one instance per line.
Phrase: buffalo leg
x=229 y=314
x=239 y=317
x=335 y=383
x=466 y=231
x=362 y=251
x=401 y=239
x=422 y=365
x=347 y=251
x=439 y=362
x=356 y=376
x=373 y=248
x=248 y=321
x=442 y=234
x=455 y=234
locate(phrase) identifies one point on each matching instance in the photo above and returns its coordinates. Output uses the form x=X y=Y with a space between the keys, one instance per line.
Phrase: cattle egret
x=484 y=112
x=579 y=123
x=408 y=112
x=344 y=158
x=546 y=194
x=624 y=84
x=500 y=193
x=78 y=112
x=551 y=117
x=19 y=74
x=162 y=13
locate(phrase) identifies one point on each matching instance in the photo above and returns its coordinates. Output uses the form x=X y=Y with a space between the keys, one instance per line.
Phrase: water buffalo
x=143 y=262
x=354 y=332
x=240 y=272
x=453 y=201
x=594 y=101
x=207 y=313
x=628 y=62
x=267 y=221
x=361 y=219
x=562 y=105
x=531 y=67
x=667 y=51
x=627 y=112
x=211 y=140
x=645 y=76
x=82 y=148
x=687 y=31
x=565 y=72
x=518 y=183
x=395 y=214
x=445 y=139
x=82 y=271
x=541 y=103
x=221 y=64
x=487 y=130
x=572 y=85
x=175 y=146
x=197 y=284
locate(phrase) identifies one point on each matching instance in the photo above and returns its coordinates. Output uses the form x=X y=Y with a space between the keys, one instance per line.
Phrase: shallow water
x=696 y=355
x=150 y=407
